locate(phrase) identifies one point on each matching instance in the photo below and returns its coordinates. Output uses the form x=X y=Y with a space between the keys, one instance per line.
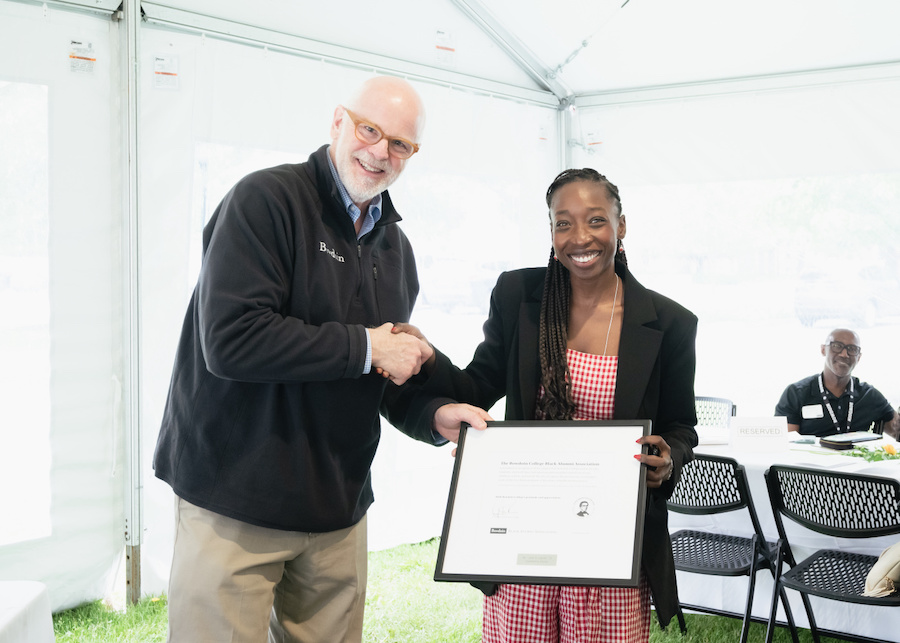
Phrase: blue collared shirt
x=371 y=218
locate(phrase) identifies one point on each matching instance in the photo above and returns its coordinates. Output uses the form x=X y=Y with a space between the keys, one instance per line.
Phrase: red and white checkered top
x=593 y=384
x=551 y=614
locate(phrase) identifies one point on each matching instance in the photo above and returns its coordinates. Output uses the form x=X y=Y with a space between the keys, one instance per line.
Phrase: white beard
x=361 y=188
x=364 y=188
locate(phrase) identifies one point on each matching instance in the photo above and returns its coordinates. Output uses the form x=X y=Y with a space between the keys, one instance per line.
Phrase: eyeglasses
x=370 y=133
x=837 y=348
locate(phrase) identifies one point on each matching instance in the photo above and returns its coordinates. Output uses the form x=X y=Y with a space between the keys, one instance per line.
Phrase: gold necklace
x=611 y=314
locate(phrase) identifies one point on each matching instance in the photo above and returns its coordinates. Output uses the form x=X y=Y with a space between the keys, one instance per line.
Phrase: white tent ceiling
x=575 y=47
x=624 y=44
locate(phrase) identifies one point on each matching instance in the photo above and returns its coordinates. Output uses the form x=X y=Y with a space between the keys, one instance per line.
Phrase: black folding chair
x=714 y=411
x=710 y=485
x=840 y=504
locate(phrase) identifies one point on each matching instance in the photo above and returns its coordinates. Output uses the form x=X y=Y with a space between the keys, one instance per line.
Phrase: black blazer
x=655 y=381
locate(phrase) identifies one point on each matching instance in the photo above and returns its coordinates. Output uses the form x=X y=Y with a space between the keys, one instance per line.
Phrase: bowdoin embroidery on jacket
x=330 y=252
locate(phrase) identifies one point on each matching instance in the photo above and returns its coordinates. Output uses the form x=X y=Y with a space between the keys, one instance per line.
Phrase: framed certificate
x=546 y=502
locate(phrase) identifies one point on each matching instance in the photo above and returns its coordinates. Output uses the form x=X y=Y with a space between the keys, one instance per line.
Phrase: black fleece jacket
x=269 y=419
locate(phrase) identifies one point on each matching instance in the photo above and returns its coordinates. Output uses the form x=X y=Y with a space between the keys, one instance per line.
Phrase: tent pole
x=134 y=525
x=566 y=135
x=518 y=52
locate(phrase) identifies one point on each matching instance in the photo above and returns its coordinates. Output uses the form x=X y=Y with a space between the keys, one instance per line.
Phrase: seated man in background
x=833 y=401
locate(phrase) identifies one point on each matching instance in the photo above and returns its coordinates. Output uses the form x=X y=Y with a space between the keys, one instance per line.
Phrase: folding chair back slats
x=837 y=505
x=708 y=485
x=713 y=411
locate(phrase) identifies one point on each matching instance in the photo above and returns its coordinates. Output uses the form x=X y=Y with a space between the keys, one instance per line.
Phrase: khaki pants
x=232 y=582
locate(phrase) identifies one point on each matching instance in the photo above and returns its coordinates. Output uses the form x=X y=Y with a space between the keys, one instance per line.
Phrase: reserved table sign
x=759 y=433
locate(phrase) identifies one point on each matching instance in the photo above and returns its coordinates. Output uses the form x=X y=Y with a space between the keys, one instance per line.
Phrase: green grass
x=98 y=623
x=403 y=605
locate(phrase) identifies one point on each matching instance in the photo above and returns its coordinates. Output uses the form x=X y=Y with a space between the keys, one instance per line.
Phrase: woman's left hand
x=660 y=457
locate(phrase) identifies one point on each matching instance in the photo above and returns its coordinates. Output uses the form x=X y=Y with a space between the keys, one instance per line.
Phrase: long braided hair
x=556 y=402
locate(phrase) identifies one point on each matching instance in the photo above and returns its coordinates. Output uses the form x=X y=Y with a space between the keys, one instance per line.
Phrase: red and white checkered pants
x=550 y=613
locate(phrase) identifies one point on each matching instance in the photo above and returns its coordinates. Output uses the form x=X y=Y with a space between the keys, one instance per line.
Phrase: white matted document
x=546 y=502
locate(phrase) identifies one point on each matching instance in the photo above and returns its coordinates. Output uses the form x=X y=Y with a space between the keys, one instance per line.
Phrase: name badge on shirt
x=812 y=412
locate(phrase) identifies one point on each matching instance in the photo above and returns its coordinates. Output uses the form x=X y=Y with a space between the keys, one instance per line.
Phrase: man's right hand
x=400 y=354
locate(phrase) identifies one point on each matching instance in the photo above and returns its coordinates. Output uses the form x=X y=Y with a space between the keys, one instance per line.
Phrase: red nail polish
x=637 y=456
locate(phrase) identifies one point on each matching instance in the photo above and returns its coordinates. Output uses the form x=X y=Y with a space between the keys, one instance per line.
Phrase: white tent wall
x=740 y=195
x=471 y=206
x=733 y=191
x=231 y=111
x=61 y=429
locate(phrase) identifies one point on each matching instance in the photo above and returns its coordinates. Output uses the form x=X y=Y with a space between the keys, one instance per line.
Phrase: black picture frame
x=514 y=510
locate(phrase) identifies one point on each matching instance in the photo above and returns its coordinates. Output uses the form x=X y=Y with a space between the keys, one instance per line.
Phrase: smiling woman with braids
x=581 y=339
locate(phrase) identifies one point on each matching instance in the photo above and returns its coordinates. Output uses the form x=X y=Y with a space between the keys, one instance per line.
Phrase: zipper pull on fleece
x=375 y=271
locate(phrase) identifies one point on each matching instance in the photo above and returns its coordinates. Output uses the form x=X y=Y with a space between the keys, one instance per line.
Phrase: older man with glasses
x=272 y=420
x=834 y=401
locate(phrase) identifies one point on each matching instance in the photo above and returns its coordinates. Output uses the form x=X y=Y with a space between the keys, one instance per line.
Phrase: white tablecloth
x=729 y=594
x=25 y=613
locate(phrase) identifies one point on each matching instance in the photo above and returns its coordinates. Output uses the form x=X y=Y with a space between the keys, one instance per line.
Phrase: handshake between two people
x=400 y=351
